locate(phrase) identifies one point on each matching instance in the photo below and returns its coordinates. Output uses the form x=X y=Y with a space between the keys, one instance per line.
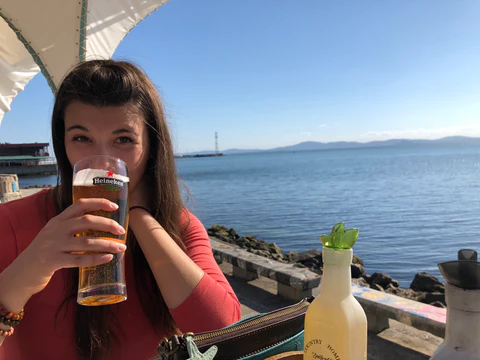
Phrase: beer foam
x=85 y=177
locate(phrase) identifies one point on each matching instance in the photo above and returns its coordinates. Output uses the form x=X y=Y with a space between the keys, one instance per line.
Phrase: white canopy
x=52 y=35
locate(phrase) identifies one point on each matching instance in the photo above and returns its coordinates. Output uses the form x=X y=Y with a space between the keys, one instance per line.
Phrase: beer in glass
x=105 y=177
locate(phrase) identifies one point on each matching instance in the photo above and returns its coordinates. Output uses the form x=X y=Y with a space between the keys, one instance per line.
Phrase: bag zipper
x=258 y=322
x=252 y=325
x=260 y=350
x=245 y=327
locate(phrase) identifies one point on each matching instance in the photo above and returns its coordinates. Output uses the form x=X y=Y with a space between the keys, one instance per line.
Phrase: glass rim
x=100 y=156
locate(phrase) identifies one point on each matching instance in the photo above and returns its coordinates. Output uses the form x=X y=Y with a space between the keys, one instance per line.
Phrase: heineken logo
x=110 y=182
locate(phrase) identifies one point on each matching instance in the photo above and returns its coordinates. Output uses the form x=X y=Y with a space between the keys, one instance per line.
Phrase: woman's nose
x=104 y=150
x=102 y=161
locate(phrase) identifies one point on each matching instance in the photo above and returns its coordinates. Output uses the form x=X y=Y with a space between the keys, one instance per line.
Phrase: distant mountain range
x=312 y=145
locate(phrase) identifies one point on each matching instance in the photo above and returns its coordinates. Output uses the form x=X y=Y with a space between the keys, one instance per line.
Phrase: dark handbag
x=257 y=337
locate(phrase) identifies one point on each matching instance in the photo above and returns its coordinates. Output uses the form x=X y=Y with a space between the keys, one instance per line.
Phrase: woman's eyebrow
x=77 y=127
x=121 y=131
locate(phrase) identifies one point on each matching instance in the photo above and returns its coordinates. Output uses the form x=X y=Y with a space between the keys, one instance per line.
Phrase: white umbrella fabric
x=52 y=35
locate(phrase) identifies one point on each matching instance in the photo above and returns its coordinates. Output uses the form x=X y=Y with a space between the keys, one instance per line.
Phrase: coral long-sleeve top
x=212 y=304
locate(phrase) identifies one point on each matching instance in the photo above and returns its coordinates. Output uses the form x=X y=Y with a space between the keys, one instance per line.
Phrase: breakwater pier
x=26 y=159
x=27 y=165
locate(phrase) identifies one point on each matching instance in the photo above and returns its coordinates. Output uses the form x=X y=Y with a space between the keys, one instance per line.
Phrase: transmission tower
x=216 y=143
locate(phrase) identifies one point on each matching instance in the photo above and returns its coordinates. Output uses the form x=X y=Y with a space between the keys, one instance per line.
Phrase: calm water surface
x=415 y=207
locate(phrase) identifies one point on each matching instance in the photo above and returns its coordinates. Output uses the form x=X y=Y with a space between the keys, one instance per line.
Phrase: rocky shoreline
x=424 y=288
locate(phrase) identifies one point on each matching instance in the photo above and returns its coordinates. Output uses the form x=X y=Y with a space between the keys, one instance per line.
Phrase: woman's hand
x=57 y=247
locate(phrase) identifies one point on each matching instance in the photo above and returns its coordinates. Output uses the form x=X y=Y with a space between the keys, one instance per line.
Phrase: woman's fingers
x=89 y=244
x=84 y=205
x=93 y=223
x=85 y=260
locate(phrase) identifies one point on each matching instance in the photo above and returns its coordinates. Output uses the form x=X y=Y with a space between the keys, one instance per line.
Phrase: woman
x=174 y=285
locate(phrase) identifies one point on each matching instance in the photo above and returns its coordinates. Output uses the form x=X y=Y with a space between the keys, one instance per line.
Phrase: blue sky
x=268 y=73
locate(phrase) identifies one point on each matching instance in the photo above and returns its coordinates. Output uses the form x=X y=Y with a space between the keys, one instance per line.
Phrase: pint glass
x=105 y=177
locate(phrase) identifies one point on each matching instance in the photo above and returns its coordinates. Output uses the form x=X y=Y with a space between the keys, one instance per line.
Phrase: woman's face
x=116 y=131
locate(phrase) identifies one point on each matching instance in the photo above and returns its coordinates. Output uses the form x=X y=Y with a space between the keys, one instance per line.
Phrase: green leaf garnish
x=340 y=238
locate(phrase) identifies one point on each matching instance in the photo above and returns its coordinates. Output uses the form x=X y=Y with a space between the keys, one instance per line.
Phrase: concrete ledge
x=244 y=274
x=294 y=283
x=380 y=307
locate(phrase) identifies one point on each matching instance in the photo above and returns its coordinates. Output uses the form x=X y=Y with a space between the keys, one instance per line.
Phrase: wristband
x=140 y=207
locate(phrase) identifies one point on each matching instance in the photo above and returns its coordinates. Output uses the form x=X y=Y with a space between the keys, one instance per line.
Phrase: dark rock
x=261 y=245
x=395 y=283
x=392 y=290
x=275 y=249
x=357 y=260
x=311 y=258
x=378 y=287
x=247 y=242
x=438 y=304
x=405 y=293
x=427 y=282
x=222 y=233
x=217 y=228
x=429 y=298
x=381 y=279
x=311 y=263
x=309 y=254
x=391 y=286
x=291 y=256
x=261 y=253
x=357 y=271
x=233 y=234
x=360 y=281
x=299 y=265
x=276 y=257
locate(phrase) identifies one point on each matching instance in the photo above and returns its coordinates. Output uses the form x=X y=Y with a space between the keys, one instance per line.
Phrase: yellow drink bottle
x=335 y=323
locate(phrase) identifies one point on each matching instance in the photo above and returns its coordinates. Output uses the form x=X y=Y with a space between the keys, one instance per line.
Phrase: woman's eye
x=124 y=140
x=81 y=138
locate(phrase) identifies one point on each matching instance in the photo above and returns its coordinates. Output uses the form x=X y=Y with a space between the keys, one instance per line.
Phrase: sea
x=415 y=206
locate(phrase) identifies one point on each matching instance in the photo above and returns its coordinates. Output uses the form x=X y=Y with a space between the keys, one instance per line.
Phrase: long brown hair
x=119 y=83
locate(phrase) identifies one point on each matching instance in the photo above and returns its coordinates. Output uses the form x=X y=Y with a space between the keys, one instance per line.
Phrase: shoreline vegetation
x=424 y=287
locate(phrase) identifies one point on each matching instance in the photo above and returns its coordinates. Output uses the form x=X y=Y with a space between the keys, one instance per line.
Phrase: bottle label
x=318 y=349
